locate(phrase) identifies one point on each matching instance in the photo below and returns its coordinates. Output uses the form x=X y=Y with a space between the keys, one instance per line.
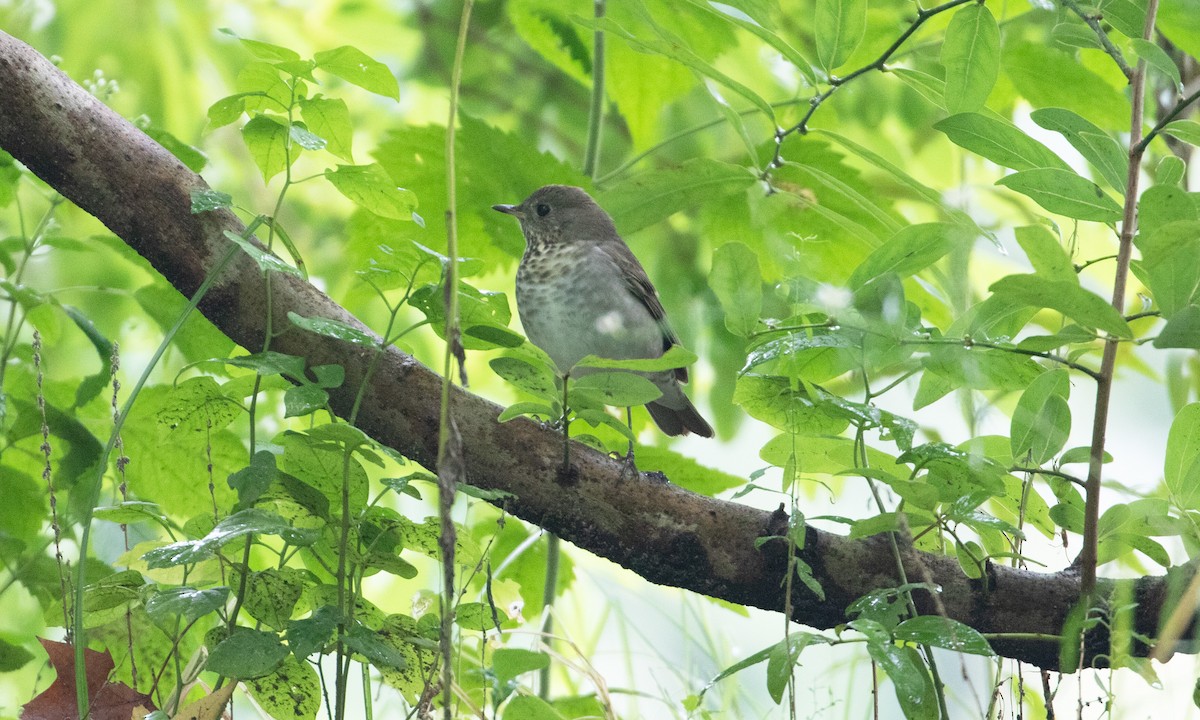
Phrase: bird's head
x=561 y=214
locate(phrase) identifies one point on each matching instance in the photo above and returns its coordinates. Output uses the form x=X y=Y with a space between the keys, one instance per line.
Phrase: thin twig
x=1093 y=21
x=837 y=82
x=1091 y=520
x=1179 y=107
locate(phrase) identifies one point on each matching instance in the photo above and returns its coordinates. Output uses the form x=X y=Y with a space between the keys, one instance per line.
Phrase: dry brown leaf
x=109 y=701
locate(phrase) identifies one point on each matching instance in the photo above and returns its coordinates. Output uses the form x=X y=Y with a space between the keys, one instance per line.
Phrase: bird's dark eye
x=542 y=209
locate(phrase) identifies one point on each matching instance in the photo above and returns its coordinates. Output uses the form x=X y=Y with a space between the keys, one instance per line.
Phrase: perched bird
x=581 y=291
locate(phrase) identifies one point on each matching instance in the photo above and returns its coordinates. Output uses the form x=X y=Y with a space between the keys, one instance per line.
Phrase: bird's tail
x=681 y=420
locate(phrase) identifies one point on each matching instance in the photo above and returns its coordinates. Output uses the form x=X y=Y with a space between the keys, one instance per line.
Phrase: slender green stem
x=591 y=155
x=449 y=449
x=553 y=553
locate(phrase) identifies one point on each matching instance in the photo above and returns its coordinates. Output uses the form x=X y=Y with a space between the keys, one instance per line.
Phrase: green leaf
x=373 y=647
x=272 y=594
x=1048 y=77
x=787 y=405
x=165 y=606
x=839 y=26
x=252 y=481
x=509 y=663
x=655 y=195
x=1186 y=130
x=1046 y=253
x=335 y=329
x=357 y=68
x=1168 y=266
x=736 y=280
x=266 y=261
x=621 y=389
x=1169 y=171
x=13 y=657
x=292 y=691
x=1182 y=330
x=1083 y=306
x=534 y=378
x=228 y=109
x=1096 y=146
x=246 y=654
x=530 y=707
x=237 y=525
x=329 y=118
x=677 y=357
x=1158 y=59
x=944 y=633
x=1041 y=421
x=267 y=140
x=309 y=635
x=1065 y=193
x=371 y=188
x=209 y=199
x=264 y=50
x=686 y=472
x=131 y=511
x=1181 y=465
x=999 y=141
x=670 y=46
x=756 y=21
x=912 y=249
x=914 y=688
x=971 y=56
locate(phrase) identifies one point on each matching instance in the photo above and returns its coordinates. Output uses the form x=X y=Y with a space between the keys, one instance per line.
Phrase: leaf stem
x=449 y=445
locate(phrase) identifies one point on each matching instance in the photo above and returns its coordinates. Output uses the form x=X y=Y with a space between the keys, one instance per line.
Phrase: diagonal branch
x=663 y=533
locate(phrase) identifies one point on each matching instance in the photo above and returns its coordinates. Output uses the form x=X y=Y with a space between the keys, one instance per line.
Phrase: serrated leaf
x=1065 y=193
x=971 y=56
x=652 y=196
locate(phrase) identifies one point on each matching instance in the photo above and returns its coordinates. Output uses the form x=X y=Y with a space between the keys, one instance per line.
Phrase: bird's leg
x=629 y=468
x=566 y=427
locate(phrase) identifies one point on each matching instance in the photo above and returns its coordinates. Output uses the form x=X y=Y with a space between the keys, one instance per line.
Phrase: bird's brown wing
x=639 y=285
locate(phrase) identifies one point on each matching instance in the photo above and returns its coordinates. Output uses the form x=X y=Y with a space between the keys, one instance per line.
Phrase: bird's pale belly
x=571 y=314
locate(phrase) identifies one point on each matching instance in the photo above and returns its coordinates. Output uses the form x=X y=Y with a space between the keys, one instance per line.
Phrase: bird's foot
x=628 y=467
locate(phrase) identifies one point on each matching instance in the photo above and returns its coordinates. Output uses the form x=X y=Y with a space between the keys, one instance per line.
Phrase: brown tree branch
x=666 y=534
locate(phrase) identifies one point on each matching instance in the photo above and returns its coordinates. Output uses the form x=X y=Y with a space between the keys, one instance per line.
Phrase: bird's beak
x=513 y=210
